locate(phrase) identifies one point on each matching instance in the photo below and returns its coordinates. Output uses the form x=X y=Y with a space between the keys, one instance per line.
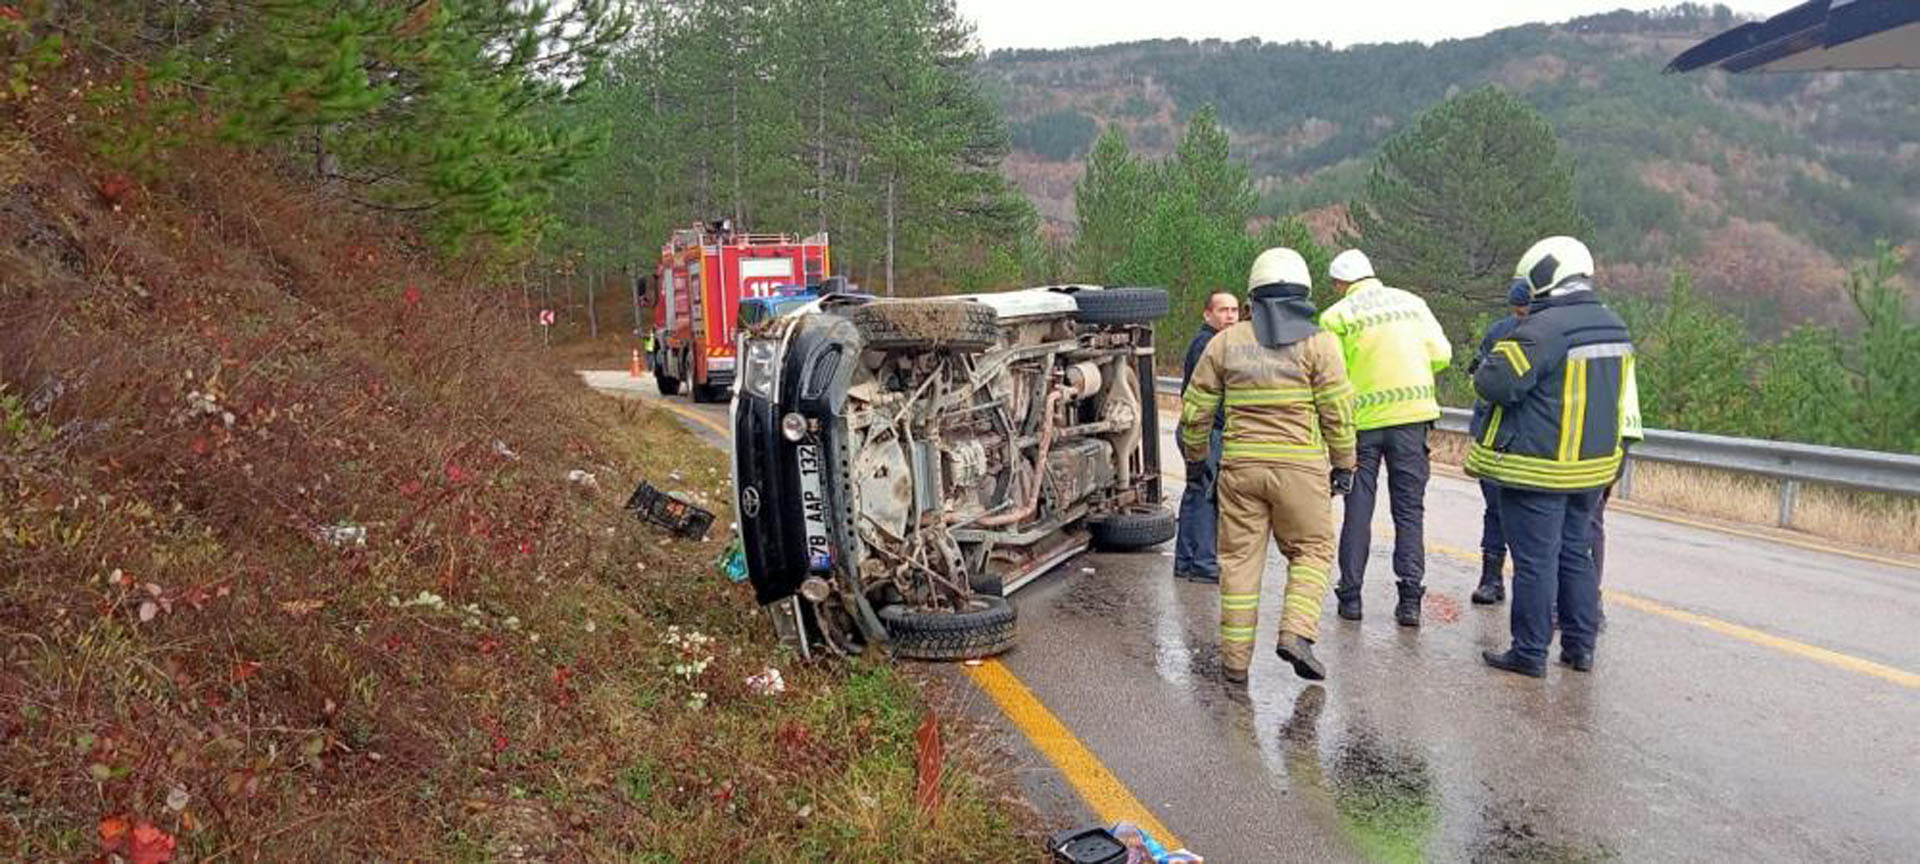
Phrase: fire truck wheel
x=1129 y=530
x=983 y=630
x=955 y=325
x=669 y=385
x=1121 y=306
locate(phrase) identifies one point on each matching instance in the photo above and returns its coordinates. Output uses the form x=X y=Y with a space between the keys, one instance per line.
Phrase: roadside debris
x=767 y=683
x=583 y=479
x=673 y=511
x=345 y=535
x=733 y=562
x=501 y=450
x=1122 y=843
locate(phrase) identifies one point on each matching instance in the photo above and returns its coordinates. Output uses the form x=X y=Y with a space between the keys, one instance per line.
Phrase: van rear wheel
x=984 y=629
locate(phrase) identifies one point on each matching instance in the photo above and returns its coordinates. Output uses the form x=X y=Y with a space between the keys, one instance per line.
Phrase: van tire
x=1111 y=306
x=1130 y=531
x=983 y=631
x=954 y=325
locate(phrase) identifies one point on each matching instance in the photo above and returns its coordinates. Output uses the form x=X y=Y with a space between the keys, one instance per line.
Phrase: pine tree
x=1454 y=199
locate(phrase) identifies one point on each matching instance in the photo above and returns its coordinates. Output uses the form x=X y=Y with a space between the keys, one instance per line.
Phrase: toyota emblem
x=750 y=502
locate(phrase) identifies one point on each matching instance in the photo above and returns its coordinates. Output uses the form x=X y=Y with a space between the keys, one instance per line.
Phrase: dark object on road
x=1087 y=846
x=670 y=510
x=1299 y=652
x=904 y=465
x=1818 y=36
x=1407 y=611
x=1350 y=607
x=1512 y=662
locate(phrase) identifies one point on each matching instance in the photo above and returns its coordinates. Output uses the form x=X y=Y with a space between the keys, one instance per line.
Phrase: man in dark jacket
x=1194 y=556
x=1557 y=385
x=1493 y=541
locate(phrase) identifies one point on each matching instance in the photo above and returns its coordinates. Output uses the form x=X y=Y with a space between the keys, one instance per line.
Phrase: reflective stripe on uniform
x=1230 y=449
x=1493 y=425
x=1539 y=473
x=1284 y=396
x=1237 y=634
x=1573 y=410
x=1239 y=601
x=1197 y=406
x=1394 y=395
x=1516 y=356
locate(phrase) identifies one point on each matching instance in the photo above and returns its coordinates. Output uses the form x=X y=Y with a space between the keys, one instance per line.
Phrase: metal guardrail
x=1790 y=463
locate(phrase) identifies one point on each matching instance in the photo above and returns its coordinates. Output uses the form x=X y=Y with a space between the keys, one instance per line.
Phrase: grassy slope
x=487 y=678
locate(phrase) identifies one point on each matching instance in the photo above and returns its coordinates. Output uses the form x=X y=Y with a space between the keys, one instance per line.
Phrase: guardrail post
x=1789 y=495
x=1626 y=477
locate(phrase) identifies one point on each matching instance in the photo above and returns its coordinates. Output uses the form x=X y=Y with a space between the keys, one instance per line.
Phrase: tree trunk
x=739 y=214
x=526 y=300
x=593 y=314
x=891 y=182
x=820 y=137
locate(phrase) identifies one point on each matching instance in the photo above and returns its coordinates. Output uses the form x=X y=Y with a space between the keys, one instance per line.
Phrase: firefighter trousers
x=1291 y=504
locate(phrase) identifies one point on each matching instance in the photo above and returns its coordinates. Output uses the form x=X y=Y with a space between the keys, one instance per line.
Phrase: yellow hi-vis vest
x=1393 y=346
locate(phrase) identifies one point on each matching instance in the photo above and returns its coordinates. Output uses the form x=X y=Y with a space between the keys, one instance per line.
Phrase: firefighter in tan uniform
x=1289 y=442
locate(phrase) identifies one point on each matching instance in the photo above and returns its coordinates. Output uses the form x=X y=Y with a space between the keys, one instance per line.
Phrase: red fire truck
x=704 y=273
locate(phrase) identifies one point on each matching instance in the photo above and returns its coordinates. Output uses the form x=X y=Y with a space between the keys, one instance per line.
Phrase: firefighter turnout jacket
x=1392 y=346
x=1559 y=387
x=1289 y=405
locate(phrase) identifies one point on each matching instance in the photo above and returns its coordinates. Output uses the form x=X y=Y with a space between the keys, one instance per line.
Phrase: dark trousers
x=1493 y=540
x=1551 y=534
x=1600 y=535
x=1194 y=550
x=1403 y=449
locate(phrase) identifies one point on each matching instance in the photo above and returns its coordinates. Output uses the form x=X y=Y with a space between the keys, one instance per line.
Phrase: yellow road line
x=1727 y=628
x=1102 y=791
x=1637 y=509
x=695 y=416
x=1748 y=634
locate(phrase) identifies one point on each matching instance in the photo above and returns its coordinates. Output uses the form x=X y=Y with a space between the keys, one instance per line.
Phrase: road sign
x=546 y=317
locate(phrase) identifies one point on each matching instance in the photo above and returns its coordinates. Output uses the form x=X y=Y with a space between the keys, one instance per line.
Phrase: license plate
x=813 y=508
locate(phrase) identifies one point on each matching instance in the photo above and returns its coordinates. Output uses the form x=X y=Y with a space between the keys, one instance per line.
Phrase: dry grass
x=195 y=388
x=1886 y=522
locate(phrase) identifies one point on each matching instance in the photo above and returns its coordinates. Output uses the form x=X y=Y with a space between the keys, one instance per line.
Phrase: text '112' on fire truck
x=704 y=273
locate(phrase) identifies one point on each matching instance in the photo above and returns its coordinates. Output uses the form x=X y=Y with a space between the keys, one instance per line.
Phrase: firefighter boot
x=1298 y=651
x=1407 y=611
x=1493 y=588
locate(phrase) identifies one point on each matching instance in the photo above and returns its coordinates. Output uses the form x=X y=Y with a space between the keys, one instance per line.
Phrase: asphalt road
x=1752 y=701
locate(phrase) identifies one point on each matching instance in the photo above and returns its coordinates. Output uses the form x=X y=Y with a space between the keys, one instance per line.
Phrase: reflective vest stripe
x=1516 y=357
x=1287 y=396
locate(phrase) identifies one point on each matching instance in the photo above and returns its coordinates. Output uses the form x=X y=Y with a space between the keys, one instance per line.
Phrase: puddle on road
x=1387 y=803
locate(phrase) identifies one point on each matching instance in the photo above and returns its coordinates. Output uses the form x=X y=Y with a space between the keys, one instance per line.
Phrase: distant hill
x=1765 y=186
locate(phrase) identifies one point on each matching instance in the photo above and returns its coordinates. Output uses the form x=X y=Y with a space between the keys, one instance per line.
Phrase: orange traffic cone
x=633 y=368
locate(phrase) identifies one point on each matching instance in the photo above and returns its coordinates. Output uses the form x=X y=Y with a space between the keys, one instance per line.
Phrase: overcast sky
x=1067 y=23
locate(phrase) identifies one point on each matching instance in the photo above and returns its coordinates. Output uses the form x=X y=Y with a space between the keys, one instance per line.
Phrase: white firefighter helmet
x=1279 y=266
x=1350 y=266
x=1553 y=261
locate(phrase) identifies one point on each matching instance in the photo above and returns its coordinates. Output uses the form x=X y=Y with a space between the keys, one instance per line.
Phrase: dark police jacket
x=1555 y=385
x=1194 y=350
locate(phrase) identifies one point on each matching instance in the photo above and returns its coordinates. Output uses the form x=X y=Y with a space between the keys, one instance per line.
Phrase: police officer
x=1193 y=552
x=1392 y=346
x=1551 y=443
x=1493 y=541
x=1288 y=443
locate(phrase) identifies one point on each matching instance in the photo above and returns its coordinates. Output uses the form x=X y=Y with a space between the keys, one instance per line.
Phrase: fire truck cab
x=704 y=273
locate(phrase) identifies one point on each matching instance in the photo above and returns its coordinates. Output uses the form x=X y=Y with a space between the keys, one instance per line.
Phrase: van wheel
x=956 y=325
x=1129 y=531
x=1121 y=306
x=669 y=385
x=983 y=630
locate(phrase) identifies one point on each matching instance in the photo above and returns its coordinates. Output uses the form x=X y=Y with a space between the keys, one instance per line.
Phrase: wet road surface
x=1685 y=744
